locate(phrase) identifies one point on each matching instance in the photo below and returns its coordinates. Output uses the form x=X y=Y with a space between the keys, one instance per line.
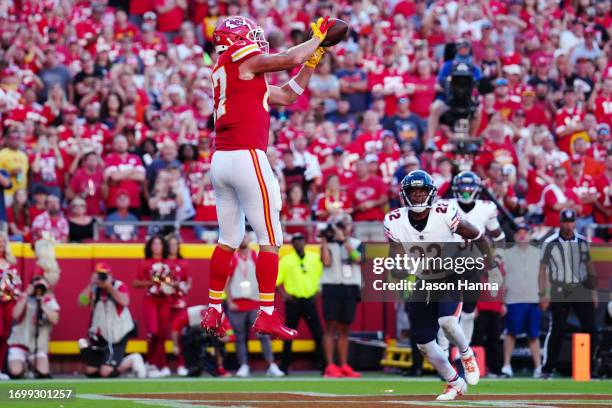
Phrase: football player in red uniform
x=242 y=178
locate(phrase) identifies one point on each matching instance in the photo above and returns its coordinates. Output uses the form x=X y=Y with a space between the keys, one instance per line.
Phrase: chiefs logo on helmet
x=235 y=29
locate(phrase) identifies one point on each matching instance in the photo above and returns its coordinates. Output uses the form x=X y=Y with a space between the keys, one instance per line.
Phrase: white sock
x=438 y=360
x=268 y=309
x=216 y=306
x=467 y=325
x=454 y=333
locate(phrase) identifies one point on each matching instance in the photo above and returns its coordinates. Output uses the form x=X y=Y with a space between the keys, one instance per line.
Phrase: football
x=335 y=34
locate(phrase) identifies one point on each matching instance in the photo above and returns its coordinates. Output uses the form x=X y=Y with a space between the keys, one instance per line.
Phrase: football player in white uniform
x=421 y=224
x=483 y=215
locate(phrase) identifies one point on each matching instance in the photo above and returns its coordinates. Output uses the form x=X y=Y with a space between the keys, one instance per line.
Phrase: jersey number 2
x=219 y=78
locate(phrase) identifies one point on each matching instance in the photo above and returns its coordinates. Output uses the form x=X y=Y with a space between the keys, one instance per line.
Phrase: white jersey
x=444 y=217
x=483 y=216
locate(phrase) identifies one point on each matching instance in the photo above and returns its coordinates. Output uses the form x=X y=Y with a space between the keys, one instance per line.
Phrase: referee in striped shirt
x=566 y=282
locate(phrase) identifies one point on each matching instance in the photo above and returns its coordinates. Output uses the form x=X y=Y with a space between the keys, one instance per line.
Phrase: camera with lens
x=102 y=276
x=328 y=231
x=462 y=108
x=40 y=287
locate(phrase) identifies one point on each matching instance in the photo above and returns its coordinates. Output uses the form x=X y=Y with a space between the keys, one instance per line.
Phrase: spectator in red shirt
x=422 y=89
x=123 y=171
x=88 y=183
x=47 y=163
x=583 y=186
x=368 y=196
x=556 y=197
x=333 y=201
x=170 y=15
x=18 y=217
x=504 y=102
x=603 y=205
x=51 y=224
x=568 y=120
x=535 y=113
x=295 y=210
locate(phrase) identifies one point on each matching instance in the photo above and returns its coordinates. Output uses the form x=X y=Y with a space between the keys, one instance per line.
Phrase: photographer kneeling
x=341 y=284
x=111 y=325
x=35 y=315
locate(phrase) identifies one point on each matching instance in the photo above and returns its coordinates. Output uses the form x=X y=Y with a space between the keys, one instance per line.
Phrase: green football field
x=309 y=391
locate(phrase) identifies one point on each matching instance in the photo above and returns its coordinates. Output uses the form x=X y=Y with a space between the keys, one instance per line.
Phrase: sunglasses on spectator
x=560 y=175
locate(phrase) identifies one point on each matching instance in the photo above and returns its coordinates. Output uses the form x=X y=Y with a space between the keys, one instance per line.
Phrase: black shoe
x=546 y=376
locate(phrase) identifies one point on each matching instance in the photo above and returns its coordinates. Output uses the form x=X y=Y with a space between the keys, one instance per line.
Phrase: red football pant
x=157 y=320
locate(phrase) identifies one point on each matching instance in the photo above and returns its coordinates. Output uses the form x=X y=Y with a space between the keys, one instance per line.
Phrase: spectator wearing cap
x=369 y=196
x=556 y=197
x=521 y=265
x=603 y=205
x=324 y=86
x=600 y=143
x=505 y=104
x=14 y=162
x=566 y=286
x=339 y=168
x=583 y=187
x=123 y=170
x=541 y=75
x=568 y=120
x=118 y=228
x=406 y=126
x=51 y=224
x=299 y=276
x=536 y=114
x=353 y=83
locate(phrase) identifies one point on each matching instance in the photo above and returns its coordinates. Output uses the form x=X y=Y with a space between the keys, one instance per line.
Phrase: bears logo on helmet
x=466 y=187
x=234 y=29
x=418 y=179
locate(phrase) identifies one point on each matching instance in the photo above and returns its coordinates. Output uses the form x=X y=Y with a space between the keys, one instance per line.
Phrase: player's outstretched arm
x=288 y=93
x=291 y=58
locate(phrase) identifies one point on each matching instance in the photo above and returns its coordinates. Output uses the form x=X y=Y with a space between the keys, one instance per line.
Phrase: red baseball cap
x=102 y=267
x=576 y=159
x=70 y=109
x=122 y=191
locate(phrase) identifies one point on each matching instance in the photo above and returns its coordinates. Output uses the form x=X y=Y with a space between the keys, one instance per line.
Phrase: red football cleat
x=270 y=324
x=347 y=371
x=211 y=322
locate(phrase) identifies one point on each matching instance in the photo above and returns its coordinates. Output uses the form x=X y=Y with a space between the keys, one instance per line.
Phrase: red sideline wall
x=77 y=262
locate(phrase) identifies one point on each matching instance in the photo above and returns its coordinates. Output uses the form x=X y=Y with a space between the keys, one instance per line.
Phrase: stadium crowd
x=107 y=105
x=107 y=116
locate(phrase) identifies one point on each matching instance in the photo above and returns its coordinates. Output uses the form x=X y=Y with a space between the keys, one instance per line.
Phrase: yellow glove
x=319 y=29
x=314 y=60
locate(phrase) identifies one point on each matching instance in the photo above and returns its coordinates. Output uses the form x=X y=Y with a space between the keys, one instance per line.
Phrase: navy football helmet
x=466 y=187
x=418 y=179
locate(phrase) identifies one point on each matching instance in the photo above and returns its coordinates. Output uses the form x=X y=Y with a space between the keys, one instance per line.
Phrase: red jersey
x=551 y=216
x=564 y=118
x=367 y=190
x=388 y=163
x=206 y=207
x=328 y=203
x=295 y=213
x=114 y=162
x=603 y=109
x=581 y=188
x=242 y=118
x=160 y=272
x=604 y=188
